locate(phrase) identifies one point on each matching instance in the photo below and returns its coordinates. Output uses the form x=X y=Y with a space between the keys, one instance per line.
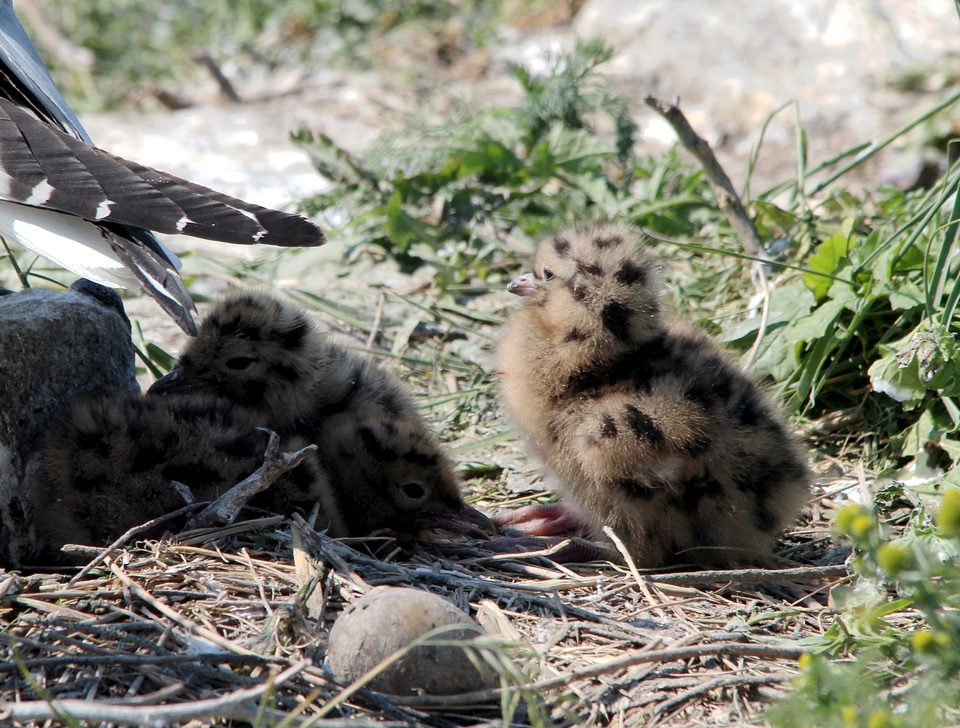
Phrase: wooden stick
x=225 y=508
x=230 y=705
x=727 y=197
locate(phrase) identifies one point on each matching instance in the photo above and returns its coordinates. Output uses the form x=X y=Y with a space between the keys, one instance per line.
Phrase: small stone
x=390 y=618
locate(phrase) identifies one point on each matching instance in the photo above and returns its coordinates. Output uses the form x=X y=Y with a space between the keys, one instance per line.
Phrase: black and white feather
x=91 y=211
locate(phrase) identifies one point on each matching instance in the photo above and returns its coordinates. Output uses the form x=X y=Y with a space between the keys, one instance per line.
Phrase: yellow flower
x=948 y=519
x=924 y=642
x=894 y=559
x=861 y=525
x=846 y=516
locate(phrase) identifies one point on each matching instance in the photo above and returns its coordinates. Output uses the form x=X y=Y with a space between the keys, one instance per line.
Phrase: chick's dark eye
x=239 y=363
x=413 y=491
x=547 y=274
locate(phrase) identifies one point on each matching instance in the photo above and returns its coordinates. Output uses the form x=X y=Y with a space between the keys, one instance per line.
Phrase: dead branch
x=225 y=508
x=753 y=576
x=231 y=705
x=727 y=197
x=226 y=88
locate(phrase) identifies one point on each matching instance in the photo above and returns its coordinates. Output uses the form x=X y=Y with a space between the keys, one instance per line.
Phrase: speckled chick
x=643 y=424
x=268 y=360
x=274 y=368
x=109 y=467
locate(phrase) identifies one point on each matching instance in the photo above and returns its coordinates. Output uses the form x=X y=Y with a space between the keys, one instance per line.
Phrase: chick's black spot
x=286 y=372
x=91 y=441
x=764 y=517
x=561 y=245
x=239 y=328
x=636 y=489
x=643 y=425
x=758 y=477
x=608 y=427
x=86 y=484
x=692 y=492
x=242 y=446
x=616 y=318
x=392 y=404
x=147 y=457
x=710 y=387
x=293 y=337
x=590 y=269
x=252 y=393
x=607 y=241
x=576 y=335
x=376 y=449
x=415 y=457
x=630 y=273
x=747 y=411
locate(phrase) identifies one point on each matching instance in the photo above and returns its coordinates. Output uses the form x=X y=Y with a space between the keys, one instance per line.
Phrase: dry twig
x=275 y=463
x=727 y=197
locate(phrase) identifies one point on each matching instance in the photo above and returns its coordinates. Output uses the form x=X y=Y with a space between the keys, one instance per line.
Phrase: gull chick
x=111 y=463
x=269 y=364
x=643 y=425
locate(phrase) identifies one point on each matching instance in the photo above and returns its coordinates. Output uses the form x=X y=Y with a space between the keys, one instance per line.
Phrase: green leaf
x=828 y=258
x=901 y=383
x=787 y=303
x=403 y=228
x=821 y=322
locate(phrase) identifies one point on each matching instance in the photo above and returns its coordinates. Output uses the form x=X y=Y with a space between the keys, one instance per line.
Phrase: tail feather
x=45 y=167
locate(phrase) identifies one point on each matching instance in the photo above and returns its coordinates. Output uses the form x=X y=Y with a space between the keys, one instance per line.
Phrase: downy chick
x=110 y=464
x=271 y=364
x=267 y=361
x=644 y=425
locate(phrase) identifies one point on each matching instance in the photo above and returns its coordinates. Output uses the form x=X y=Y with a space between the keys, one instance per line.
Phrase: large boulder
x=54 y=347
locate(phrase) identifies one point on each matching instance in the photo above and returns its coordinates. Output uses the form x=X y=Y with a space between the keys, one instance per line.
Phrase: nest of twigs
x=228 y=626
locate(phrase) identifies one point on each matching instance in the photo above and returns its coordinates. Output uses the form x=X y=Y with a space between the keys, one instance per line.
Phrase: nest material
x=228 y=626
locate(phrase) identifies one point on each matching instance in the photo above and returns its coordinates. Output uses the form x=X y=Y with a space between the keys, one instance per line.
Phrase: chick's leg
x=551 y=519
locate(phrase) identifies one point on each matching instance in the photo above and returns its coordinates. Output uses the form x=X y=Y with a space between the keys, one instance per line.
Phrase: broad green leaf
x=787 y=303
x=901 y=383
x=770 y=220
x=830 y=253
x=822 y=321
x=402 y=228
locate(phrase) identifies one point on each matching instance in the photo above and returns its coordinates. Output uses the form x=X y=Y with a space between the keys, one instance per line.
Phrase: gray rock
x=54 y=347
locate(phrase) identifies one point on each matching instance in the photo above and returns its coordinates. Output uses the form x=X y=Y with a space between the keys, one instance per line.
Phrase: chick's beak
x=465 y=520
x=173 y=381
x=522 y=285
